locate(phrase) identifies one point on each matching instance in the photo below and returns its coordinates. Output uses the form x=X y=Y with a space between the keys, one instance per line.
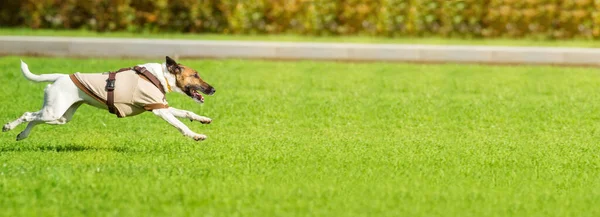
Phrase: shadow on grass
x=62 y=148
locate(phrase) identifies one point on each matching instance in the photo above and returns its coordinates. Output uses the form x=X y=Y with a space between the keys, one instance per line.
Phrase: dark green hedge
x=544 y=19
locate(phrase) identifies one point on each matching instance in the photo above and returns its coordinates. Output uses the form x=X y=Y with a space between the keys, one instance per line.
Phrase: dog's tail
x=38 y=78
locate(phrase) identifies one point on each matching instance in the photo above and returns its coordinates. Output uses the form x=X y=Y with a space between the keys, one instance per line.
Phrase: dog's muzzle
x=195 y=92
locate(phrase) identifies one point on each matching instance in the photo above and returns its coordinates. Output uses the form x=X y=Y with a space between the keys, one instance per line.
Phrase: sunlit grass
x=316 y=139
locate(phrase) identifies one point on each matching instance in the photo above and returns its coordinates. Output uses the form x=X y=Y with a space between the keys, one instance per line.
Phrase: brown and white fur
x=62 y=98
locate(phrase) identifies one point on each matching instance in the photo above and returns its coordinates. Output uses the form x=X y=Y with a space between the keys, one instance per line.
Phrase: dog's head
x=188 y=81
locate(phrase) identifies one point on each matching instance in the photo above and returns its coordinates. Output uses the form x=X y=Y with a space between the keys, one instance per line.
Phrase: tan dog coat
x=133 y=94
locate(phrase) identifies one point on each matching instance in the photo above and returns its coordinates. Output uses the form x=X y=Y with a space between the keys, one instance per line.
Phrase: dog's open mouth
x=195 y=94
x=196 y=91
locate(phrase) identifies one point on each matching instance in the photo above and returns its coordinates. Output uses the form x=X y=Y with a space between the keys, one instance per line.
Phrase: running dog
x=126 y=92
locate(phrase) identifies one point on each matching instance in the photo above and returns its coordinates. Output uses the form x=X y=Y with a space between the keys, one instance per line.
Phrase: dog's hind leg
x=34 y=118
x=45 y=115
x=67 y=116
x=61 y=99
x=27 y=117
x=25 y=133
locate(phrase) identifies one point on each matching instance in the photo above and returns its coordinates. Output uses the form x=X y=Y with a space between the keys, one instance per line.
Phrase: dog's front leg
x=166 y=115
x=189 y=115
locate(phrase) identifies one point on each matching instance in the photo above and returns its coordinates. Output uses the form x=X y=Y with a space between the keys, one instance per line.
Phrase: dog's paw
x=205 y=120
x=21 y=136
x=201 y=119
x=6 y=128
x=200 y=137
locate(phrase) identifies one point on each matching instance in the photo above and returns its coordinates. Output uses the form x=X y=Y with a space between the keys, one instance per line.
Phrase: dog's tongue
x=198 y=96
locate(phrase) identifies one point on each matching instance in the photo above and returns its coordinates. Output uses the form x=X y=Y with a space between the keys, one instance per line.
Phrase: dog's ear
x=172 y=66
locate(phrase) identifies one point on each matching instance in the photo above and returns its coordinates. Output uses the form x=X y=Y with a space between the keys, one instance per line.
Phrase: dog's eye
x=196 y=75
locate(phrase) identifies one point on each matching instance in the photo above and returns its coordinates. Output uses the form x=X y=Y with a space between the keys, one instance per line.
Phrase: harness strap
x=110 y=93
x=110 y=88
x=143 y=71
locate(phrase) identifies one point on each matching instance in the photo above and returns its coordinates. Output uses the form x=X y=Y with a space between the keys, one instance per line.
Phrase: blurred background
x=533 y=19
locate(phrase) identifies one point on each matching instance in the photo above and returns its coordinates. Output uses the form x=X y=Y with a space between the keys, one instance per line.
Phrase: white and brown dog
x=127 y=92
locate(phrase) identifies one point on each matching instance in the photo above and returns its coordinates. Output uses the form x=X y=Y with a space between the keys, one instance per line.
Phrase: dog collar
x=168 y=85
x=164 y=67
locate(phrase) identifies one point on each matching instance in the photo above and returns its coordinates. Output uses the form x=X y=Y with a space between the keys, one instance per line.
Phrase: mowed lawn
x=316 y=139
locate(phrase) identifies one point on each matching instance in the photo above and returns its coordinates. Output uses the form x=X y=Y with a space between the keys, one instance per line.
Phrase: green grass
x=298 y=38
x=317 y=139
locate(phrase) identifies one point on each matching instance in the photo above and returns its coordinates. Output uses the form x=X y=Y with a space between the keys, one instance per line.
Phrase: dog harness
x=137 y=91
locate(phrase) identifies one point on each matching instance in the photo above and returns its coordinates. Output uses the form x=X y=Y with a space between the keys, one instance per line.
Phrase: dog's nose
x=213 y=91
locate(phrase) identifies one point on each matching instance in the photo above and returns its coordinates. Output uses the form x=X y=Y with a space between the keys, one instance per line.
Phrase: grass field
x=317 y=139
x=300 y=38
